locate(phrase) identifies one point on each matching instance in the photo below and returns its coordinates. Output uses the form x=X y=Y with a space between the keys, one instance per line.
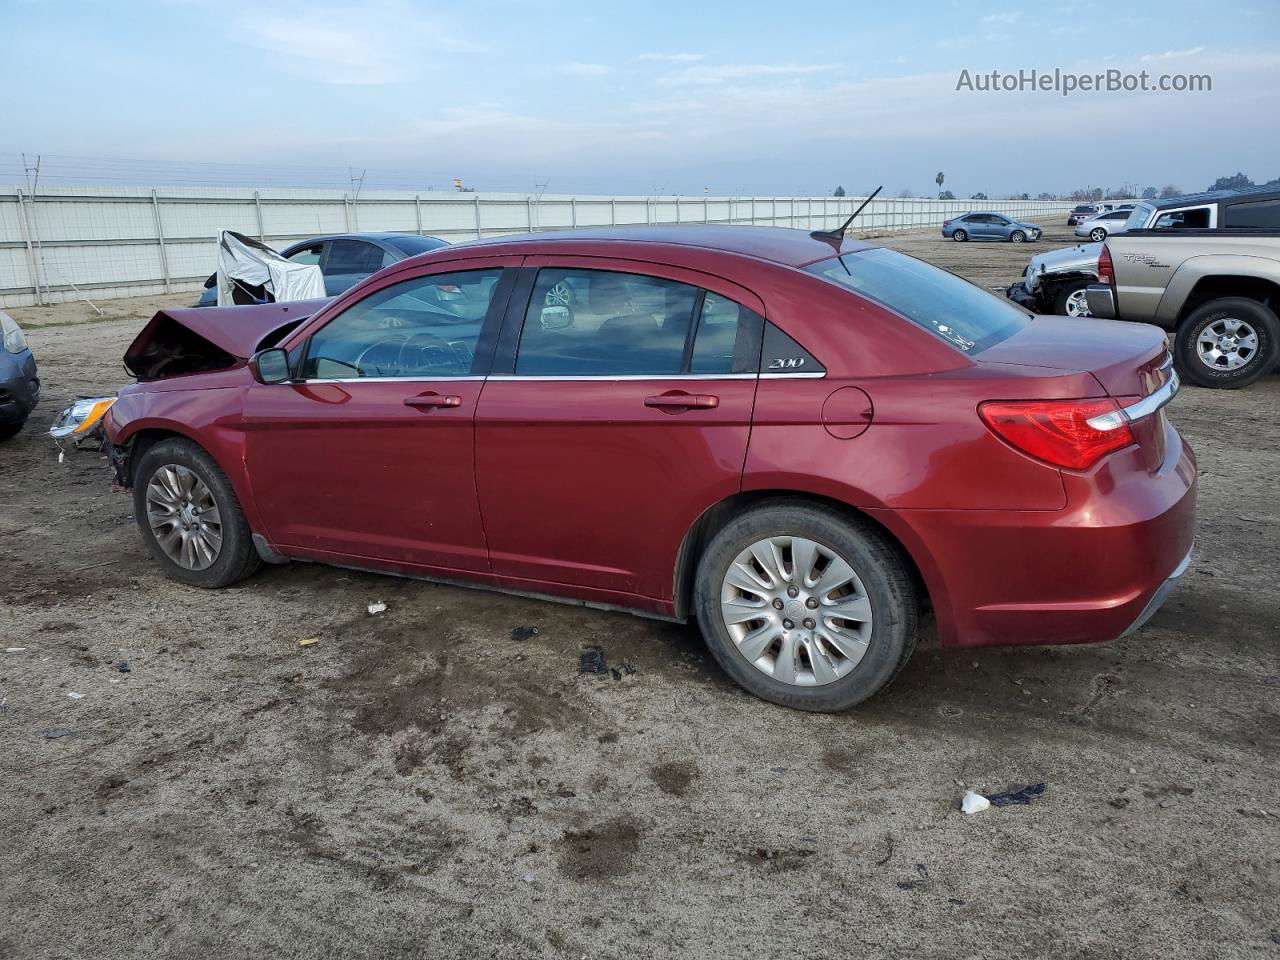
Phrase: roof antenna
x=836 y=237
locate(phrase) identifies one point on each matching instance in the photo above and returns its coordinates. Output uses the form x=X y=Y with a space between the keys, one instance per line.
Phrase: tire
x=1097 y=234
x=1215 y=319
x=884 y=587
x=10 y=430
x=960 y=236
x=1069 y=298
x=1017 y=237
x=235 y=557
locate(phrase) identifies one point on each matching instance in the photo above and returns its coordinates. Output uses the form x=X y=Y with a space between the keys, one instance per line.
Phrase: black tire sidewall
x=1259 y=317
x=878 y=565
x=11 y=429
x=238 y=557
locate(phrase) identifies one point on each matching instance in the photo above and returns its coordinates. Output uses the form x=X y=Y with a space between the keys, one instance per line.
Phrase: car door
x=610 y=422
x=1000 y=227
x=368 y=453
x=980 y=226
x=346 y=262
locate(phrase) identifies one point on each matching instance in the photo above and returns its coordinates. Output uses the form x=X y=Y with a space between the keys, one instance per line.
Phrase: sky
x=663 y=97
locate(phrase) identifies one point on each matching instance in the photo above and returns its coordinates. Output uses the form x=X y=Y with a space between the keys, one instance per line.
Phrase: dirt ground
x=422 y=783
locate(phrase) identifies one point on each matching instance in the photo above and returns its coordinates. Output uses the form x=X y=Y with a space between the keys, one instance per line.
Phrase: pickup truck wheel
x=1071 y=300
x=190 y=518
x=805 y=607
x=1097 y=234
x=960 y=236
x=1227 y=343
x=1017 y=237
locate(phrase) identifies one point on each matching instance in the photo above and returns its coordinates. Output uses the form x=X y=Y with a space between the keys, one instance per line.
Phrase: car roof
x=1215 y=196
x=782 y=245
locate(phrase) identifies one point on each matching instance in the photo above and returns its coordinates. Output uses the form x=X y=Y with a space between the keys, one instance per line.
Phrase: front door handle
x=429 y=400
x=682 y=401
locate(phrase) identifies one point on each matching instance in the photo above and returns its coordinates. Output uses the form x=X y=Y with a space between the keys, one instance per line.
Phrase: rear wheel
x=190 y=518
x=1227 y=343
x=1017 y=237
x=10 y=430
x=960 y=236
x=1097 y=234
x=804 y=607
x=1071 y=300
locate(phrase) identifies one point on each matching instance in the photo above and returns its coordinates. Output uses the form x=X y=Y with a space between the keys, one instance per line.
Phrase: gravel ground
x=423 y=783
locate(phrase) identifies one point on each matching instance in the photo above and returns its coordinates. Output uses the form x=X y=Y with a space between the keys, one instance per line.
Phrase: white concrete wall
x=105 y=242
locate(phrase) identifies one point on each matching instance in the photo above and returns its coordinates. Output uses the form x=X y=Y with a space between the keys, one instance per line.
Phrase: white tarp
x=244 y=262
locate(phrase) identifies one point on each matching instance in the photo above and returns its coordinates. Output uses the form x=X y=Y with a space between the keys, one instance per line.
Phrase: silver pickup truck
x=1055 y=282
x=1217 y=289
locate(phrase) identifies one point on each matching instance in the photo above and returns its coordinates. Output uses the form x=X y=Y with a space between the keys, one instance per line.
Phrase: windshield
x=959 y=312
x=1138 y=218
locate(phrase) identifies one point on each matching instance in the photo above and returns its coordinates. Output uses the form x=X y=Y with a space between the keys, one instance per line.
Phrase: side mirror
x=270 y=365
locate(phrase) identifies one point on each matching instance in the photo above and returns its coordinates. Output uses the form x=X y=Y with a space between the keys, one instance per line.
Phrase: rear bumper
x=1087 y=574
x=19 y=386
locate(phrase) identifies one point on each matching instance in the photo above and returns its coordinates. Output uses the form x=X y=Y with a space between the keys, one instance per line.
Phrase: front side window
x=1195 y=218
x=961 y=313
x=427 y=327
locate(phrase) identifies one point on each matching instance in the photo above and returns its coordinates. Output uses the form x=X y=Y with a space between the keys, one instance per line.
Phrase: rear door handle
x=682 y=401
x=433 y=400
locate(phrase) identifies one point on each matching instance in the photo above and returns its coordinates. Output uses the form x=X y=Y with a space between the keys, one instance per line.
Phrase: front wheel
x=10 y=430
x=190 y=517
x=1017 y=237
x=1227 y=343
x=960 y=236
x=1097 y=234
x=1072 y=300
x=805 y=607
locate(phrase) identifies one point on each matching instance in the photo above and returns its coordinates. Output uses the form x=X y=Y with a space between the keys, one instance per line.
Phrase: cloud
x=724 y=73
x=672 y=57
x=1172 y=54
x=1008 y=19
x=586 y=69
x=389 y=42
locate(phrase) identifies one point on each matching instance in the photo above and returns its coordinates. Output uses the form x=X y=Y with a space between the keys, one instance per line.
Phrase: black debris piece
x=1021 y=797
x=123 y=666
x=55 y=734
x=522 y=633
x=627 y=668
x=591 y=660
x=617 y=674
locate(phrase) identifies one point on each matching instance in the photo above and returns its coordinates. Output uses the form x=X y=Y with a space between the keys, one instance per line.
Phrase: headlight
x=79 y=420
x=14 y=339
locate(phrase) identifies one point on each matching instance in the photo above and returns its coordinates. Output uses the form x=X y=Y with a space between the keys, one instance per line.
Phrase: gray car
x=19 y=385
x=1099 y=226
x=989 y=226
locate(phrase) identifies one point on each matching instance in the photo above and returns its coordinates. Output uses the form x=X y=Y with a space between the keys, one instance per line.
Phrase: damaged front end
x=80 y=424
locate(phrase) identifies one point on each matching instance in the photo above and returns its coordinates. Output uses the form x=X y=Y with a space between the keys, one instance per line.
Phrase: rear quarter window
x=964 y=315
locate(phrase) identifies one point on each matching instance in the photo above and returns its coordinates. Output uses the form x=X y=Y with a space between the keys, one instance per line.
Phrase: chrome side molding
x=1136 y=411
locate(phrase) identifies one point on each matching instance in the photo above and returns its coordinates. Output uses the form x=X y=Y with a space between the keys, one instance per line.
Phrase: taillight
x=1058 y=431
x=946 y=223
x=1106 y=271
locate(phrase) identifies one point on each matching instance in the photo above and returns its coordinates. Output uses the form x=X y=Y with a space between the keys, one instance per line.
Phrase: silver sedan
x=1097 y=228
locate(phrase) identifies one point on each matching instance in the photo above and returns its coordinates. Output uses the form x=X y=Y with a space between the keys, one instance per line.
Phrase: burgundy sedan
x=805 y=444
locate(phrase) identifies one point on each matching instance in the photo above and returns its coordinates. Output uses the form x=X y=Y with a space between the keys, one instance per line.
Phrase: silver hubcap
x=1098 y=236
x=1227 y=344
x=796 y=611
x=183 y=517
x=959 y=235
x=561 y=295
x=1078 y=304
x=1017 y=238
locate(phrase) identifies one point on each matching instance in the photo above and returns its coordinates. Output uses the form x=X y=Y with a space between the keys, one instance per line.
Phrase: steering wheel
x=427 y=353
x=381 y=359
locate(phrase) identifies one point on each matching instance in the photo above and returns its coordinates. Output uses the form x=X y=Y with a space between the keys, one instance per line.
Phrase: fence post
x=417 y=205
x=706 y=210
x=613 y=211
x=31 y=253
x=164 y=257
x=479 y=232
x=257 y=205
x=346 y=212
x=573 y=212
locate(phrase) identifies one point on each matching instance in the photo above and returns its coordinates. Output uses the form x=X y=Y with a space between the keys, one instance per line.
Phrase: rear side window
x=308 y=255
x=353 y=256
x=582 y=323
x=959 y=312
x=1264 y=214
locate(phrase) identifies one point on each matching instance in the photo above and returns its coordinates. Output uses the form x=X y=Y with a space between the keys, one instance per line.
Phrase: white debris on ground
x=974 y=802
x=377 y=607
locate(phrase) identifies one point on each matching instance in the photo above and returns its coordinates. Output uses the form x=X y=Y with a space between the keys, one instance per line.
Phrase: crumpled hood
x=1068 y=259
x=195 y=339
